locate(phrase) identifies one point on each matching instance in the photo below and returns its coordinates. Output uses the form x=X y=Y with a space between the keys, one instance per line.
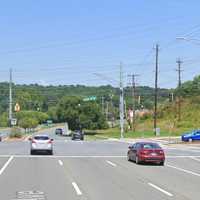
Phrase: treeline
x=41 y=98
x=66 y=104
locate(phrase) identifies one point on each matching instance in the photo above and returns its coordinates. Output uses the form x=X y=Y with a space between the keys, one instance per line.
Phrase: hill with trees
x=66 y=103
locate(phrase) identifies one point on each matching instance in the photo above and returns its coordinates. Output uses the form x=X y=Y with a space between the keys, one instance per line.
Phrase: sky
x=83 y=42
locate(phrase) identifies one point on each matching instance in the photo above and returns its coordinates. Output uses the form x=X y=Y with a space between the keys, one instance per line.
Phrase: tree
x=80 y=114
x=28 y=123
x=4 y=120
x=39 y=116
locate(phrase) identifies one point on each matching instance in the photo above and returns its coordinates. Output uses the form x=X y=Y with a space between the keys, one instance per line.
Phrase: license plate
x=153 y=154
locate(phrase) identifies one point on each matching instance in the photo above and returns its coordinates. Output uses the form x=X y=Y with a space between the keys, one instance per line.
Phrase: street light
x=193 y=40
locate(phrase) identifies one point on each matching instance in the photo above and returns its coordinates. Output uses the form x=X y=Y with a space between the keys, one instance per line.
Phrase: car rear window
x=41 y=138
x=150 y=146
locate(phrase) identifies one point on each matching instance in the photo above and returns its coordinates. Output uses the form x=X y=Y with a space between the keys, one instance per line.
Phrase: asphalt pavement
x=95 y=170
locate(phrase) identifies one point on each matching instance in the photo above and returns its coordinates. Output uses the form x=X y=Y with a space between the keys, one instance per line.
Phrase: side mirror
x=30 y=139
x=52 y=140
x=130 y=147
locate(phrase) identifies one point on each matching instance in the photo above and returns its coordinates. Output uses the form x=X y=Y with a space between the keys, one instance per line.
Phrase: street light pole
x=10 y=98
x=121 y=107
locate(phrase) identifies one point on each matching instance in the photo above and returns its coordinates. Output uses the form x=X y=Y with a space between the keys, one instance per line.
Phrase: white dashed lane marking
x=160 y=189
x=78 y=191
x=184 y=170
x=60 y=162
x=111 y=163
x=6 y=165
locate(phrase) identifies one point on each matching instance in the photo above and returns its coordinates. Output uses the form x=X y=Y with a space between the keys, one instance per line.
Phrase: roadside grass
x=144 y=129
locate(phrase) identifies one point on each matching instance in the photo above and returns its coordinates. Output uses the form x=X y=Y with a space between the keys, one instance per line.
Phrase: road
x=95 y=170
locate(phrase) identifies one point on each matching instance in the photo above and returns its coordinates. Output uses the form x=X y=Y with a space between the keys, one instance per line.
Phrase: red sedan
x=146 y=152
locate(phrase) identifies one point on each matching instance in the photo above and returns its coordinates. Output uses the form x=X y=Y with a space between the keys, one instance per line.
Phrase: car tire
x=162 y=163
x=50 y=152
x=137 y=160
x=32 y=152
x=190 y=140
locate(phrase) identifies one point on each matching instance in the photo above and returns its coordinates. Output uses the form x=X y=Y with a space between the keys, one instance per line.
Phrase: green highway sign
x=90 y=98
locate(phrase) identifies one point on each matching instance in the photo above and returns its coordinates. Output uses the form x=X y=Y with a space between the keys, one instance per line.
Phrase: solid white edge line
x=196 y=159
x=6 y=165
x=84 y=156
x=60 y=162
x=160 y=189
x=72 y=156
x=111 y=163
x=183 y=170
x=78 y=192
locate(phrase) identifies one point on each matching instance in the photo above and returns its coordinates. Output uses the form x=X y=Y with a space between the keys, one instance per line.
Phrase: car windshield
x=150 y=146
x=41 y=138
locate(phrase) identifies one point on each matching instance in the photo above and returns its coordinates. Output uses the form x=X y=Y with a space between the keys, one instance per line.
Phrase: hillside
x=34 y=96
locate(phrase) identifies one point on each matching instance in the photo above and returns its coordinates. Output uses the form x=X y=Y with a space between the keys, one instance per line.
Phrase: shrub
x=16 y=133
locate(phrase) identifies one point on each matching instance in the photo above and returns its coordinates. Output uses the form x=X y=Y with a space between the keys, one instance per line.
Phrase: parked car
x=78 y=135
x=41 y=143
x=59 y=131
x=191 y=136
x=146 y=152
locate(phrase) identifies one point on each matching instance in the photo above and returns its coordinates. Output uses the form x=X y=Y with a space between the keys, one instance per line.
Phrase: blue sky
x=67 y=42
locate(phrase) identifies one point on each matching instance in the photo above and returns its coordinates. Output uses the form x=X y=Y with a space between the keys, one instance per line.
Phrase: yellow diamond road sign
x=17 y=107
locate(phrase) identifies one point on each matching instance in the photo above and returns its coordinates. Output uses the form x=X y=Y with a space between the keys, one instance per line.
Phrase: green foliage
x=16 y=133
x=28 y=123
x=4 y=120
x=80 y=114
x=39 y=116
x=41 y=98
x=190 y=88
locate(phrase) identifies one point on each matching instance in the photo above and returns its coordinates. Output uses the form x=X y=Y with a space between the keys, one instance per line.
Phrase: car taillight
x=50 y=142
x=161 y=152
x=33 y=141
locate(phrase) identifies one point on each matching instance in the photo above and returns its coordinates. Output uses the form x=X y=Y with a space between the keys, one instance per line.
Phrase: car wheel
x=190 y=140
x=50 y=152
x=161 y=163
x=137 y=160
x=32 y=152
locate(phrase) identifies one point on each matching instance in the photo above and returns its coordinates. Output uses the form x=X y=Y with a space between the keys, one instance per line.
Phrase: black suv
x=59 y=131
x=78 y=135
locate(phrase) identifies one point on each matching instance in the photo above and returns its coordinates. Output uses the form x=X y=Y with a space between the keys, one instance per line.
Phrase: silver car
x=41 y=143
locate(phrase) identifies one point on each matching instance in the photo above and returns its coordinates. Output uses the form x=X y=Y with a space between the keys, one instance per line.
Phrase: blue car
x=191 y=136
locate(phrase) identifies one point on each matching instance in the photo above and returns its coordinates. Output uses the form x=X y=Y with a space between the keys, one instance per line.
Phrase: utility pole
x=10 y=98
x=121 y=106
x=107 y=109
x=179 y=62
x=133 y=84
x=156 y=90
x=102 y=105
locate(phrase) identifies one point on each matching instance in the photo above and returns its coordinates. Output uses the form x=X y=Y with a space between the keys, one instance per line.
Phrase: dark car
x=59 y=131
x=78 y=135
x=191 y=136
x=146 y=152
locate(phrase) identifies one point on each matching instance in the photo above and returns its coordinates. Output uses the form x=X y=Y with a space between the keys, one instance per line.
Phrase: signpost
x=13 y=122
